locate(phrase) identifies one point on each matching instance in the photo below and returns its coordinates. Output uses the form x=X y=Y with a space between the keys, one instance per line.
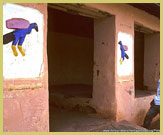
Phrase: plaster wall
x=104 y=99
x=113 y=89
x=113 y=94
x=20 y=67
x=125 y=17
x=25 y=100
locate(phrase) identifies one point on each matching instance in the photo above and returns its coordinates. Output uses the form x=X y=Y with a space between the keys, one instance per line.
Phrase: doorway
x=81 y=52
x=146 y=60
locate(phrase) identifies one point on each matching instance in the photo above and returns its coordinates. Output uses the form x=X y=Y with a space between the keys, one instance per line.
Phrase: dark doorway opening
x=70 y=54
x=146 y=61
x=75 y=32
x=70 y=63
x=139 y=60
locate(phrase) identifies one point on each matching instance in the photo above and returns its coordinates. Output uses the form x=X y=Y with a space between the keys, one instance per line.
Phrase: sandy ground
x=62 y=120
x=78 y=115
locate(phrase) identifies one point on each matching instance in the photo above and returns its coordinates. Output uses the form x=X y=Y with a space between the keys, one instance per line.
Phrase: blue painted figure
x=123 y=53
x=18 y=36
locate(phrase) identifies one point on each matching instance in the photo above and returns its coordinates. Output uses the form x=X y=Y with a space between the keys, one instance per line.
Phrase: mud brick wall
x=26 y=100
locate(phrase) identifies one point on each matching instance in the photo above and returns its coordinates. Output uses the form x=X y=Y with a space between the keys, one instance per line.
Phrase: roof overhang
x=79 y=9
x=151 y=8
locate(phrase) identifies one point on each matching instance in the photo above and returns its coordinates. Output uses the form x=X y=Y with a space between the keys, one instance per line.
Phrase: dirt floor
x=144 y=93
x=71 y=112
x=62 y=120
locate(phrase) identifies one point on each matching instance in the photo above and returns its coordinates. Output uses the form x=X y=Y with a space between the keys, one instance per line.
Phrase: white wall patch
x=126 y=68
x=30 y=65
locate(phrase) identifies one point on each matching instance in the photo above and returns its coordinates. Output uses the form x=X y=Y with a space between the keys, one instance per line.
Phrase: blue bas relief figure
x=18 y=36
x=123 y=53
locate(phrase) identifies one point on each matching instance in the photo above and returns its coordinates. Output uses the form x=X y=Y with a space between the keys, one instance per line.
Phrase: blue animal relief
x=18 y=37
x=123 y=53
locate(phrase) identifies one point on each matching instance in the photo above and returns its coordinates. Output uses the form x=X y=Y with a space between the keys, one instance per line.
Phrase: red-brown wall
x=26 y=109
x=26 y=100
x=127 y=106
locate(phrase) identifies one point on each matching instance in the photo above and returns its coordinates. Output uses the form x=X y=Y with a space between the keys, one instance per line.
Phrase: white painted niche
x=30 y=65
x=126 y=68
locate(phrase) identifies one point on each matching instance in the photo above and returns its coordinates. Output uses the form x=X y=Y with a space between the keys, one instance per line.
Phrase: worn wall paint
x=25 y=100
x=31 y=65
x=126 y=16
x=104 y=99
x=25 y=111
x=127 y=13
x=125 y=68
